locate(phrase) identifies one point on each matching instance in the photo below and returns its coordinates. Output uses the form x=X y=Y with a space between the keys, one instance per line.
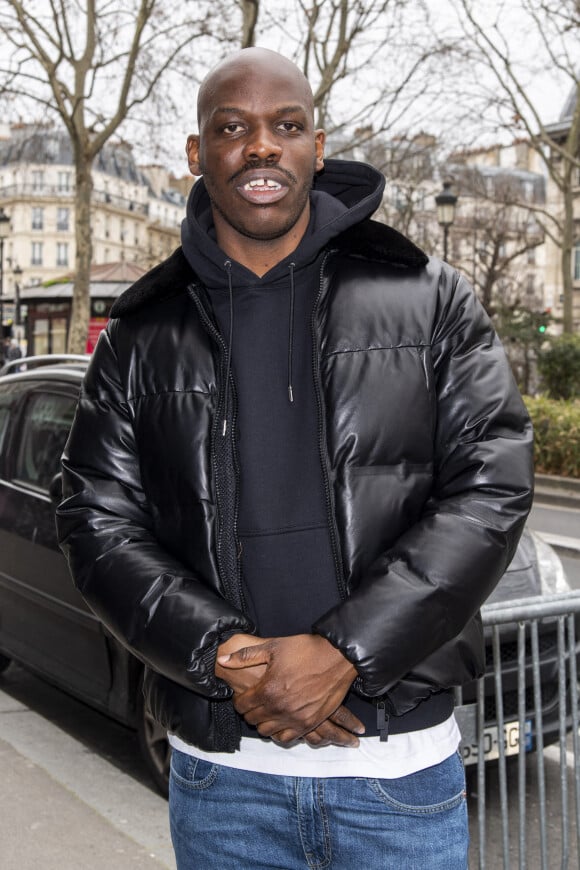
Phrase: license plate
x=512 y=742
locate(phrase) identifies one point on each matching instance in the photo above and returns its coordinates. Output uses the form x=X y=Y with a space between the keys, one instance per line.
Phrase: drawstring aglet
x=224 y=428
x=290 y=393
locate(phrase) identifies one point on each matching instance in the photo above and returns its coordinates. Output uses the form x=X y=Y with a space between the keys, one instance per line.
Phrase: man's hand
x=301 y=692
x=239 y=679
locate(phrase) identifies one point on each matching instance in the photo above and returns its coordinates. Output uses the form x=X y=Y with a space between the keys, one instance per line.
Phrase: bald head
x=250 y=64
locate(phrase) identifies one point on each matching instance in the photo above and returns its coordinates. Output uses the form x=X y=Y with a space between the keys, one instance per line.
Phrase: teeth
x=262 y=182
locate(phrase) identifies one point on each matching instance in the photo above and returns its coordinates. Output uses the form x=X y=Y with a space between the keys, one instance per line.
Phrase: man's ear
x=192 y=151
x=320 y=139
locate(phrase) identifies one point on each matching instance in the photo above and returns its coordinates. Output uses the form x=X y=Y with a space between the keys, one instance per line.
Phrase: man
x=298 y=468
x=12 y=351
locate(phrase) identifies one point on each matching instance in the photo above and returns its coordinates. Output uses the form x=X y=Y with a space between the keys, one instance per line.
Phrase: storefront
x=46 y=311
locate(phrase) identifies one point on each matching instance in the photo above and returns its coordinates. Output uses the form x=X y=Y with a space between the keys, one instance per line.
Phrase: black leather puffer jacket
x=427 y=454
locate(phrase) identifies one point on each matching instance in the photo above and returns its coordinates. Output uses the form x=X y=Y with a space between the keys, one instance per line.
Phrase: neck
x=260 y=255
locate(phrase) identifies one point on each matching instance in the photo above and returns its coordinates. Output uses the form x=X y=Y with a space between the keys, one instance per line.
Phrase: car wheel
x=4 y=662
x=154 y=746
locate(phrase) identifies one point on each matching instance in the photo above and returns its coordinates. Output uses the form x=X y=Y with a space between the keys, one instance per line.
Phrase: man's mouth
x=262 y=183
x=261 y=190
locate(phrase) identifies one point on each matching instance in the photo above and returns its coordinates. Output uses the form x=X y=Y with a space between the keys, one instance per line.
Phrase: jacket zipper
x=382 y=720
x=233 y=591
x=328 y=493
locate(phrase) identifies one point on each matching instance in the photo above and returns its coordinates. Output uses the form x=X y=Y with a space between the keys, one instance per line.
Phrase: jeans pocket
x=432 y=790
x=190 y=772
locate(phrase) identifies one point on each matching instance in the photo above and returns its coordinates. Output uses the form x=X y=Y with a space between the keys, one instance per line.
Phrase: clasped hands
x=291 y=688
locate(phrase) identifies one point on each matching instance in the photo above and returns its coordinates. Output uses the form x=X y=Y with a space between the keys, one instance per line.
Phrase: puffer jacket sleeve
x=158 y=608
x=424 y=590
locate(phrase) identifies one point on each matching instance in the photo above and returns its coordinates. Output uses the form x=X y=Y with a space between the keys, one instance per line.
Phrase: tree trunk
x=250 y=10
x=81 y=302
x=566 y=259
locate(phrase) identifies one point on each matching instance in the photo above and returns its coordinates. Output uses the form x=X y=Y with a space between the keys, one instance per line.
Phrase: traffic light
x=543 y=320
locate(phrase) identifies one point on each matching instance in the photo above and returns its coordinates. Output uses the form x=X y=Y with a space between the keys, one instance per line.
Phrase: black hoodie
x=288 y=571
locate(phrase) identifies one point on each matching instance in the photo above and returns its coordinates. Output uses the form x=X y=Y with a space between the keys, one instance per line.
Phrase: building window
x=528 y=187
x=36 y=254
x=37 y=218
x=530 y=284
x=64 y=185
x=37 y=180
x=577 y=263
x=531 y=256
x=62 y=219
x=62 y=254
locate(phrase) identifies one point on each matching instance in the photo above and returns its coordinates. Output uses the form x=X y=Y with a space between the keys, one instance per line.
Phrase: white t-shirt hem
x=400 y=755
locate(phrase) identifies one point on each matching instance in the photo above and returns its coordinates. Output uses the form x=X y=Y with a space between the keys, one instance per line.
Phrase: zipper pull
x=382 y=722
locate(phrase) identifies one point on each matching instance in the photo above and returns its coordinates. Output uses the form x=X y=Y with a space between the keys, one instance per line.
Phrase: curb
x=554 y=490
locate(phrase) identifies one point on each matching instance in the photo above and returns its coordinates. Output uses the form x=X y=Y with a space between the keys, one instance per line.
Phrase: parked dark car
x=46 y=626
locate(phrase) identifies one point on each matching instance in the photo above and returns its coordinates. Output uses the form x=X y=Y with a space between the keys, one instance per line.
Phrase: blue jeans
x=222 y=818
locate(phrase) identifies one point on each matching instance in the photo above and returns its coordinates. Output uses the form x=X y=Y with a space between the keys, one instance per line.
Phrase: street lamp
x=4 y=230
x=17 y=272
x=445 y=202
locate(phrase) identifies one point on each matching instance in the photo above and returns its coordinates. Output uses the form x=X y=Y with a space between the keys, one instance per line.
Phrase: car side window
x=48 y=418
x=5 y=403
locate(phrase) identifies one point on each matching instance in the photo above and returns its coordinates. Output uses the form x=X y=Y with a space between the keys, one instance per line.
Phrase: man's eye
x=232 y=128
x=290 y=127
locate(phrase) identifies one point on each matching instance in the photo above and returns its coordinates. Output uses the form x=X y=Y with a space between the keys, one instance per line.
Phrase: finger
x=327 y=733
x=347 y=720
x=247 y=657
x=288 y=737
x=315 y=739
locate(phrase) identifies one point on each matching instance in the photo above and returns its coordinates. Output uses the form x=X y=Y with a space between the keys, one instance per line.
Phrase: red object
x=96 y=326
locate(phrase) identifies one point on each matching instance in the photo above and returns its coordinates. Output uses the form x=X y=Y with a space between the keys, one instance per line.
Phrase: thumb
x=247 y=657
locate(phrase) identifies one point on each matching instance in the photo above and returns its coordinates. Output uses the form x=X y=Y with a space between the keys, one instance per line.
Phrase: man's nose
x=262 y=145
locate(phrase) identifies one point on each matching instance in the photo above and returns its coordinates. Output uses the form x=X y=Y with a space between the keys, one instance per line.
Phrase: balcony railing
x=53 y=191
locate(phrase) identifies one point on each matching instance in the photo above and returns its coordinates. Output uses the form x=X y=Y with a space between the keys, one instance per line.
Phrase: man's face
x=257 y=150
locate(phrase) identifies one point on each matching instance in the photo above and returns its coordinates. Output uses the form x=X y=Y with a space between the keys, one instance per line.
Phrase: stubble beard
x=263 y=234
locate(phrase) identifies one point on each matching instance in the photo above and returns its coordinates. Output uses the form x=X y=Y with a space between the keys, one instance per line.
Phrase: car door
x=44 y=622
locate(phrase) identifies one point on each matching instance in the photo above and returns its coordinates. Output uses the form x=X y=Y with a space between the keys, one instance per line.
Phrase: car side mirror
x=55 y=489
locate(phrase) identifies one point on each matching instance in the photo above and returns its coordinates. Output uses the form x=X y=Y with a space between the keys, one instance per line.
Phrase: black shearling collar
x=368 y=240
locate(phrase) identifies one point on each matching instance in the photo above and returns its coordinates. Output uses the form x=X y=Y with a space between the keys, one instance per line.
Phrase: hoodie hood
x=343 y=194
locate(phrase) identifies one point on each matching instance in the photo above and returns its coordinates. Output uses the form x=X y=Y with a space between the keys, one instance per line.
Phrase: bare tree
x=496 y=230
x=92 y=65
x=373 y=64
x=550 y=32
x=410 y=166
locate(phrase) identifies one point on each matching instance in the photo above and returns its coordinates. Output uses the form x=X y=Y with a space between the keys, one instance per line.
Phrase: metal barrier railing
x=541 y=671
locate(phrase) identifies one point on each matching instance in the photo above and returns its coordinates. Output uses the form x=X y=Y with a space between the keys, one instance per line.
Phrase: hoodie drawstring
x=291 y=267
x=228 y=268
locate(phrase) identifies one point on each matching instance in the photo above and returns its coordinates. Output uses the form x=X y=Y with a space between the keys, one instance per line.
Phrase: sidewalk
x=64 y=808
